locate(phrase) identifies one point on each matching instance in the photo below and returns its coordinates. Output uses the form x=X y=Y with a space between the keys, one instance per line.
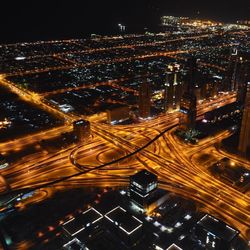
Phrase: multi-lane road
x=178 y=165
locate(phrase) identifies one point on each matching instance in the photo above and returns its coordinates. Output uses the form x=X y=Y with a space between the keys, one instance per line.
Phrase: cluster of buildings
x=184 y=92
x=200 y=23
x=183 y=89
x=125 y=228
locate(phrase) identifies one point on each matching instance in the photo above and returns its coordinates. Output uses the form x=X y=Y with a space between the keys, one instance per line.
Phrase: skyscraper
x=191 y=78
x=244 y=143
x=172 y=93
x=144 y=100
x=188 y=111
x=231 y=77
x=243 y=79
x=188 y=101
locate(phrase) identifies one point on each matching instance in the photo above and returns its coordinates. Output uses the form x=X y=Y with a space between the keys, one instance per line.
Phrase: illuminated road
x=177 y=165
x=162 y=157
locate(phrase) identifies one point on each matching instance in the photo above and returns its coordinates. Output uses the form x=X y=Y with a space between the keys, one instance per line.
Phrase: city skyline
x=136 y=137
x=49 y=20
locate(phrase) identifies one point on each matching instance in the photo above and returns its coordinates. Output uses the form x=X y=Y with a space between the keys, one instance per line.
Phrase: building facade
x=144 y=100
x=142 y=188
x=244 y=142
x=173 y=88
x=81 y=130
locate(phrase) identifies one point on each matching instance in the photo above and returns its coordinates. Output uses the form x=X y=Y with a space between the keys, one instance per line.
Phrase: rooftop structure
x=144 y=178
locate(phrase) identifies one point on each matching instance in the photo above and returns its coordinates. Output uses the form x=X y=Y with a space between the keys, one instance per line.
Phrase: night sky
x=23 y=20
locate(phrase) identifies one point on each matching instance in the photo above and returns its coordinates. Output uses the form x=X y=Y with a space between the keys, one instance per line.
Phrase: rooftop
x=73 y=227
x=218 y=228
x=90 y=216
x=76 y=225
x=144 y=178
x=122 y=219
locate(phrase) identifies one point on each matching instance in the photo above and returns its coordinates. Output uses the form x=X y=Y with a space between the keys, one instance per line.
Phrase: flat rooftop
x=73 y=227
x=87 y=218
x=144 y=178
x=122 y=219
x=90 y=216
x=218 y=228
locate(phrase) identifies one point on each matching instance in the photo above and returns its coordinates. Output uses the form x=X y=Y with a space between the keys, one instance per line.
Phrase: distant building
x=188 y=111
x=191 y=78
x=118 y=114
x=214 y=234
x=173 y=88
x=231 y=76
x=221 y=113
x=81 y=129
x=209 y=89
x=197 y=93
x=243 y=79
x=244 y=22
x=144 y=100
x=244 y=143
x=172 y=20
x=142 y=187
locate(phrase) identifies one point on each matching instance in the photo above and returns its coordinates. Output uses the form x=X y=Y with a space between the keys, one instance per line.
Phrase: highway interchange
x=113 y=153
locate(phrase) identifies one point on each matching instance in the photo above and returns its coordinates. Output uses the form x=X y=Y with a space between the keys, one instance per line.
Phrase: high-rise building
x=231 y=77
x=189 y=100
x=192 y=74
x=81 y=129
x=243 y=79
x=188 y=111
x=173 y=88
x=244 y=143
x=142 y=187
x=209 y=89
x=118 y=114
x=144 y=100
